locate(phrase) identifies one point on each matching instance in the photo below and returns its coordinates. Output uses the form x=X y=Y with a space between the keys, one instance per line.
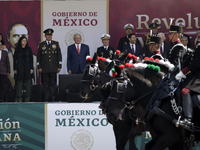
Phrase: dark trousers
x=49 y=82
x=2 y=87
x=19 y=93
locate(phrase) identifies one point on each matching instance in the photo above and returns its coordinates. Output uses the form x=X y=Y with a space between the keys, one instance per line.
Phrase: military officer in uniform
x=49 y=63
x=177 y=52
x=191 y=85
x=154 y=28
x=154 y=47
x=106 y=51
x=124 y=40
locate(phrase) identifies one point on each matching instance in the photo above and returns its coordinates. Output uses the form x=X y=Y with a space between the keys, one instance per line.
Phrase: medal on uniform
x=45 y=51
x=111 y=52
x=54 y=46
x=44 y=47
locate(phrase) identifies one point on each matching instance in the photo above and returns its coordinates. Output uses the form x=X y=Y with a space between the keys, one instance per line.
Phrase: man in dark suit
x=4 y=70
x=76 y=56
x=181 y=24
x=124 y=40
x=165 y=47
x=188 y=51
x=49 y=62
x=154 y=32
x=105 y=51
x=133 y=47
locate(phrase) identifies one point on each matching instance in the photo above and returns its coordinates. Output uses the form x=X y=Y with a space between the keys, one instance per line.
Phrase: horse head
x=133 y=83
x=88 y=82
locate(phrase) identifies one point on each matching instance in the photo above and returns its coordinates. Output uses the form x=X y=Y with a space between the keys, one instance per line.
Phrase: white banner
x=66 y=18
x=75 y=126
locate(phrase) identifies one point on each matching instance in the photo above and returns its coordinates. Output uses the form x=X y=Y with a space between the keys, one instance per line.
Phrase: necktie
x=78 y=49
x=132 y=48
x=48 y=43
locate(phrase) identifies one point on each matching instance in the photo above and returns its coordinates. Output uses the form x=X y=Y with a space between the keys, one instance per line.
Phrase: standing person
x=188 y=51
x=177 y=51
x=154 y=47
x=23 y=68
x=165 y=47
x=14 y=32
x=181 y=24
x=124 y=40
x=76 y=56
x=133 y=47
x=154 y=28
x=198 y=37
x=4 y=71
x=2 y=41
x=105 y=50
x=49 y=62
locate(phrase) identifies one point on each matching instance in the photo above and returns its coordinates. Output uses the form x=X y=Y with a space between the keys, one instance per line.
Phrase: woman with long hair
x=2 y=42
x=23 y=68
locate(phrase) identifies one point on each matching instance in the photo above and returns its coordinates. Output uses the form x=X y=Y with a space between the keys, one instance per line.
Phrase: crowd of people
x=18 y=62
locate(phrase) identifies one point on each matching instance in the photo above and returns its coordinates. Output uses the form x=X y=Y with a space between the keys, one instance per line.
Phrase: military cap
x=153 y=25
x=48 y=31
x=128 y=26
x=155 y=39
x=180 y=24
x=174 y=29
x=105 y=37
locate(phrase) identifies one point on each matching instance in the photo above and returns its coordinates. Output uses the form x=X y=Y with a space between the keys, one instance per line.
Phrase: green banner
x=22 y=126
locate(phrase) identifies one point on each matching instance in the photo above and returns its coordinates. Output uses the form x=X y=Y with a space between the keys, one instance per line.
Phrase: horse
x=89 y=83
x=141 y=84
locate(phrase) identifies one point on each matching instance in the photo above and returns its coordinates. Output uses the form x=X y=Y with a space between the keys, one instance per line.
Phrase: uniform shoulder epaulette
x=55 y=41
x=41 y=42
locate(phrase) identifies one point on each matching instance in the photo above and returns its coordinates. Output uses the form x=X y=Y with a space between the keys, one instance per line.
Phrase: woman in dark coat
x=23 y=68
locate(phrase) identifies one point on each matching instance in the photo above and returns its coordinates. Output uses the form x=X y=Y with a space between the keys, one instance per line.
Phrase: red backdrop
x=122 y=12
x=27 y=12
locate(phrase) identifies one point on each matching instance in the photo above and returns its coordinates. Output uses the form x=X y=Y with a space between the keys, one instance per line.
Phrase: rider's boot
x=187 y=110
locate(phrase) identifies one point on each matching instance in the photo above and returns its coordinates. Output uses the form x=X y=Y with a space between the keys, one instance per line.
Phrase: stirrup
x=187 y=124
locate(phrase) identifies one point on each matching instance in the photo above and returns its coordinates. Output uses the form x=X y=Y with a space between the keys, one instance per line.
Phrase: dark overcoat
x=23 y=63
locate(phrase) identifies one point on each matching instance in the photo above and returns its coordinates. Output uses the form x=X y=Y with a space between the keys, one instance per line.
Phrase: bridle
x=93 y=71
x=129 y=105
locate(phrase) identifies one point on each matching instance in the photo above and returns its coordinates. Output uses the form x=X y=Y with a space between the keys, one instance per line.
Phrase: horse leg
x=121 y=137
x=165 y=140
x=135 y=131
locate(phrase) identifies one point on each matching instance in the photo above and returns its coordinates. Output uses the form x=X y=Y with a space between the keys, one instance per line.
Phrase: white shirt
x=105 y=47
x=79 y=45
x=133 y=47
x=48 y=41
x=162 y=45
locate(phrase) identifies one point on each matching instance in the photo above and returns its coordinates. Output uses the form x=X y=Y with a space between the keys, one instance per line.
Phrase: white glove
x=180 y=75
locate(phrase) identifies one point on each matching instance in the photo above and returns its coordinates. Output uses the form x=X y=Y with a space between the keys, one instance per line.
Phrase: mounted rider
x=154 y=47
x=177 y=51
x=191 y=75
x=190 y=71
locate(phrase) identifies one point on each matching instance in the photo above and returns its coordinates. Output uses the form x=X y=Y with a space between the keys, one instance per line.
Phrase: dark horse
x=139 y=86
x=89 y=83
